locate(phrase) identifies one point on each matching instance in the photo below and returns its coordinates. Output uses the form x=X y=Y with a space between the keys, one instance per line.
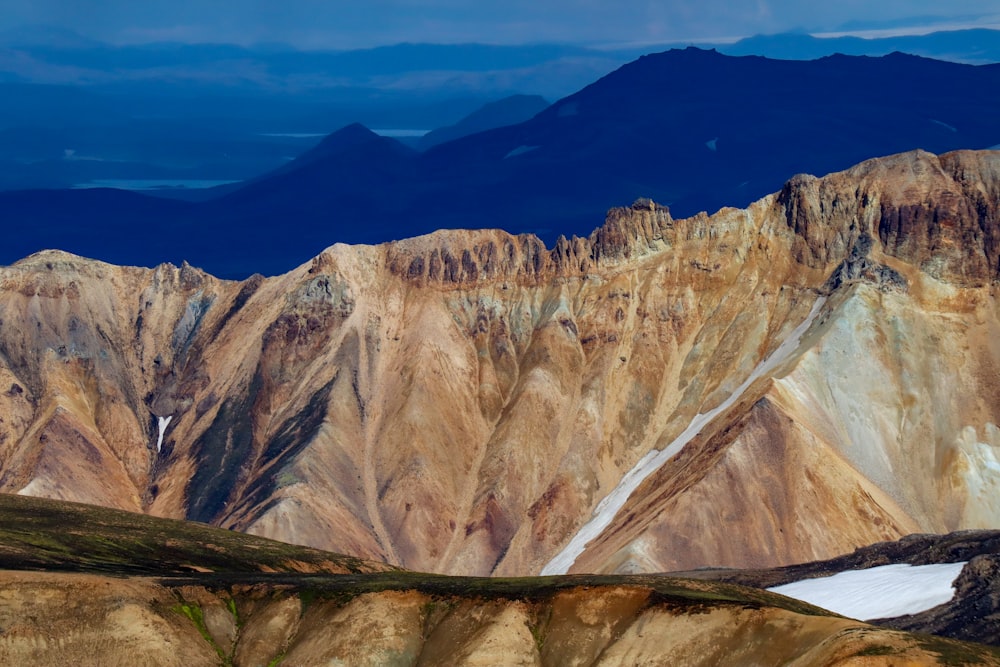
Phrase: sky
x=337 y=24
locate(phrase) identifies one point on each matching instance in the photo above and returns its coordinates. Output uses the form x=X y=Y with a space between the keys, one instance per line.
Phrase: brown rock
x=461 y=402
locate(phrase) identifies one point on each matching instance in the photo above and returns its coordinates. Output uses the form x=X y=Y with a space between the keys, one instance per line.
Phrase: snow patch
x=711 y=143
x=648 y=464
x=164 y=422
x=878 y=592
x=35 y=488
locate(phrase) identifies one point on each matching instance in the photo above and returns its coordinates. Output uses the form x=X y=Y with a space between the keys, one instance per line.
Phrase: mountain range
x=813 y=373
x=691 y=129
x=391 y=440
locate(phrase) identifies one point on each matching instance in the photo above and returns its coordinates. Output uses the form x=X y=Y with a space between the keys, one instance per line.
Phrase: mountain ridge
x=468 y=419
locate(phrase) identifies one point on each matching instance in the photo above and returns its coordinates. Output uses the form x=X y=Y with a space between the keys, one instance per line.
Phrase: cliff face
x=461 y=402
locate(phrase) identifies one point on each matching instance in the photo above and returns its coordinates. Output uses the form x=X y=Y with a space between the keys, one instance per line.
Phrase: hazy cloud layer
x=354 y=23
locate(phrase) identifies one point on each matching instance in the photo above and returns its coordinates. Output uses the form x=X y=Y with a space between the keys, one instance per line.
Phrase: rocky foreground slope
x=462 y=402
x=85 y=619
x=91 y=586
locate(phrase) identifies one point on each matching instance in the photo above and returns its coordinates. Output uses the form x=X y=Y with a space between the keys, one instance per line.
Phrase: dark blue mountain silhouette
x=690 y=128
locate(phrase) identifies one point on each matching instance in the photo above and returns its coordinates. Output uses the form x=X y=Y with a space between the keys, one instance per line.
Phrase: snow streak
x=164 y=423
x=648 y=464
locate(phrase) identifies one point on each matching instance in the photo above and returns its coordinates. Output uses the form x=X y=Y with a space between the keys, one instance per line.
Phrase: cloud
x=353 y=23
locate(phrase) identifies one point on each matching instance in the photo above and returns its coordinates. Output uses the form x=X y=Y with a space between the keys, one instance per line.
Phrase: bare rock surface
x=86 y=585
x=86 y=619
x=462 y=402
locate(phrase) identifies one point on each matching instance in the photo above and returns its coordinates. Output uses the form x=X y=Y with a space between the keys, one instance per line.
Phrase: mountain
x=79 y=112
x=46 y=55
x=692 y=129
x=508 y=111
x=91 y=586
x=811 y=374
x=975 y=45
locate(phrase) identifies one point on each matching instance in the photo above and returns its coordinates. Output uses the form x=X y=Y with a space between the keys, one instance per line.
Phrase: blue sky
x=359 y=23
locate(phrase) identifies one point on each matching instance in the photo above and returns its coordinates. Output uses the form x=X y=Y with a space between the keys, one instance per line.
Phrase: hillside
x=814 y=373
x=103 y=601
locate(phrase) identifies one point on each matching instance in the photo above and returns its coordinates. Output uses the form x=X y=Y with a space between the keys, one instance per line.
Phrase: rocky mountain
x=91 y=586
x=692 y=129
x=764 y=386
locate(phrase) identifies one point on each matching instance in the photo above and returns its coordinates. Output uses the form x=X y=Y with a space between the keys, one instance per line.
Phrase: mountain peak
x=346 y=138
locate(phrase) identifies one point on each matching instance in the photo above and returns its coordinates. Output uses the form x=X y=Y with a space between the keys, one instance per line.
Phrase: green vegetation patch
x=196 y=616
x=957 y=653
x=41 y=534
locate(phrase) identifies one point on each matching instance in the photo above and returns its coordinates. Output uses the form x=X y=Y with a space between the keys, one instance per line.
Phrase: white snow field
x=648 y=464
x=884 y=591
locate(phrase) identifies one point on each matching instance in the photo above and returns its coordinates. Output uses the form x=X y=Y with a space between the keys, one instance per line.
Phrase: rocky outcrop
x=462 y=402
x=470 y=258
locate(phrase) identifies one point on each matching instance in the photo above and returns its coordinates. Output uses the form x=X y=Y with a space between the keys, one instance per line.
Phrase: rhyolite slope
x=461 y=402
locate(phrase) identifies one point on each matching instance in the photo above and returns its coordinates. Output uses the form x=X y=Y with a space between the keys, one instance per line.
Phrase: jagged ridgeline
x=763 y=386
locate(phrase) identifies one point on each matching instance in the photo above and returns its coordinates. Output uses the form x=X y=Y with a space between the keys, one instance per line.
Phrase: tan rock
x=461 y=402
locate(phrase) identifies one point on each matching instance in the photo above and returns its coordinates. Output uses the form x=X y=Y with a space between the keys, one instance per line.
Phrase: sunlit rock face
x=56 y=618
x=462 y=402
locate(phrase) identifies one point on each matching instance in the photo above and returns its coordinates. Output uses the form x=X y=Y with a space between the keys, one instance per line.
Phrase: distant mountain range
x=79 y=112
x=692 y=129
x=973 y=46
x=508 y=111
x=59 y=56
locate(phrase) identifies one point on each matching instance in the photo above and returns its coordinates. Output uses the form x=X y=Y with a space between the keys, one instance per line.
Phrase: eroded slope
x=462 y=402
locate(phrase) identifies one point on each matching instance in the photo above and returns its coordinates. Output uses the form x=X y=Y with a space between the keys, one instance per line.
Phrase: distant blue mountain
x=52 y=55
x=972 y=46
x=507 y=111
x=693 y=129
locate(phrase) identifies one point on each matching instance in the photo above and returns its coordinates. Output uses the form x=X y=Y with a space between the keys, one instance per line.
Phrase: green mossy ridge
x=231 y=606
x=876 y=649
x=691 y=596
x=41 y=534
x=956 y=653
x=306 y=598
